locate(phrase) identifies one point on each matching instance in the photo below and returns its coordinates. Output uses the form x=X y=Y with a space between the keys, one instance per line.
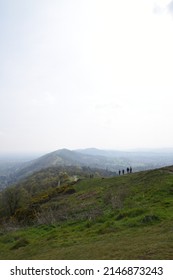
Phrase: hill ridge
x=92 y=157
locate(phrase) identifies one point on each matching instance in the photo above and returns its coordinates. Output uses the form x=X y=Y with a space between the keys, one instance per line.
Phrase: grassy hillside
x=125 y=217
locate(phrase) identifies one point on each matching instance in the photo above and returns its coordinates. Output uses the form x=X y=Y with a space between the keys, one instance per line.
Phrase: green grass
x=126 y=217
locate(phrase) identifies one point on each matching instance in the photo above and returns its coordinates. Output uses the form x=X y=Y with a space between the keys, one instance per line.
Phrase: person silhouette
x=127 y=170
x=130 y=169
x=119 y=172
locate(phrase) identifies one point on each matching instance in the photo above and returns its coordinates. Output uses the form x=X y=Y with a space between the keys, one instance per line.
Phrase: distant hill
x=62 y=157
x=145 y=153
x=94 y=158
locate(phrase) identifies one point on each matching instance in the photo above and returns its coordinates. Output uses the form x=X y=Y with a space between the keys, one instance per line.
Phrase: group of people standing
x=129 y=170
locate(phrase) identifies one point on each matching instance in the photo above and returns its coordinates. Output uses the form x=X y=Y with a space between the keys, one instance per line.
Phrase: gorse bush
x=22 y=202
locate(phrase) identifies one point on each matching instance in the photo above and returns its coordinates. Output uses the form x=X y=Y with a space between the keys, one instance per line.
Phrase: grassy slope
x=127 y=217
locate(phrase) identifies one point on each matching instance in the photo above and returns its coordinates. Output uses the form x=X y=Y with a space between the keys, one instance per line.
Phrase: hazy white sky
x=90 y=73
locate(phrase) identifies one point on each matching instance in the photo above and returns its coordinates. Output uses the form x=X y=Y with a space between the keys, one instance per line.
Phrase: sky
x=91 y=73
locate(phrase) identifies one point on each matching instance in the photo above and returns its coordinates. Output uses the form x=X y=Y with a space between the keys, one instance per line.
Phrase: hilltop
x=122 y=217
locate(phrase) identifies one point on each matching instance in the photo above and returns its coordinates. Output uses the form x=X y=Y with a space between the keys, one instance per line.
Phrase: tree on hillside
x=11 y=200
x=14 y=198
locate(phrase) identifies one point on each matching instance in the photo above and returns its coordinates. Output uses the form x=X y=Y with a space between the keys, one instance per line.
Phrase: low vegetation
x=61 y=216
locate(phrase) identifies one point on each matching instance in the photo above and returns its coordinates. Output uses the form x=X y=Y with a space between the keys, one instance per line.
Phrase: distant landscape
x=79 y=207
x=14 y=168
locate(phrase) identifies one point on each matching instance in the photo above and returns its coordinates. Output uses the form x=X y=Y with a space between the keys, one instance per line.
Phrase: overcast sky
x=90 y=73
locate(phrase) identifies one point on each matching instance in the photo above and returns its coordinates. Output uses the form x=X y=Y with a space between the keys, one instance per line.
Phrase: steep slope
x=59 y=157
